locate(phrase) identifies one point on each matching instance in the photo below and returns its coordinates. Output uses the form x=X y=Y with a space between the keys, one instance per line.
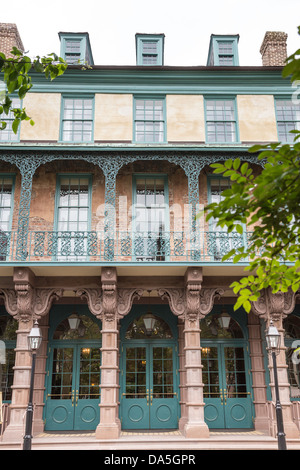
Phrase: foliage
x=17 y=80
x=269 y=204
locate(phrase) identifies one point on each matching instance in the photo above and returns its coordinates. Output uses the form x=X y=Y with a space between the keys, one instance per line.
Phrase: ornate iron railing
x=55 y=246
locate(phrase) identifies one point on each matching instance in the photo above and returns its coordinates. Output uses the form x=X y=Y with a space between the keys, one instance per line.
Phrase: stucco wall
x=44 y=109
x=185 y=118
x=113 y=117
x=257 y=120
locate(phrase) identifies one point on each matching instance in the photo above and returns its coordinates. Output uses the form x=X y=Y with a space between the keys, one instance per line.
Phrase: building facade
x=100 y=243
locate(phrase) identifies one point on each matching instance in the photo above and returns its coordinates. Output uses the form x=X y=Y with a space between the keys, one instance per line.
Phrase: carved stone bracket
x=110 y=301
x=274 y=306
x=26 y=303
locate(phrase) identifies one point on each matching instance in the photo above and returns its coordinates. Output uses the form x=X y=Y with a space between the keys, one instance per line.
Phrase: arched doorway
x=149 y=364
x=73 y=379
x=226 y=373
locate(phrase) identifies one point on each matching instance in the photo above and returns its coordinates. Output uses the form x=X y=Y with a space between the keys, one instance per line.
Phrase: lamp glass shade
x=34 y=337
x=149 y=322
x=273 y=337
x=224 y=320
x=73 y=322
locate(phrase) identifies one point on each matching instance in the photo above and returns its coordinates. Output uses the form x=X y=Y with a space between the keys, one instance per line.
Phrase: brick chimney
x=9 y=37
x=273 y=49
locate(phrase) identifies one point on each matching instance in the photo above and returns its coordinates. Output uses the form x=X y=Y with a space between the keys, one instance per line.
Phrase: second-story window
x=72 y=221
x=77 y=119
x=6 y=201
x=7 y=134
x=221 y=122
x=149 y=120
x=288 y=119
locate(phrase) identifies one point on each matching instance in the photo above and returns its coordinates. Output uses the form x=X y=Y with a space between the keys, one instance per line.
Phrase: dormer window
x=76 y=49
x=223 y=50
x=150 y=49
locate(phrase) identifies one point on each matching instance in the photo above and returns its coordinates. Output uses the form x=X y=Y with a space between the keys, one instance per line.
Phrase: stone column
x=26 y=304
x=192 y=303
x=109 y=304
x=276 y=307
x=182 y=374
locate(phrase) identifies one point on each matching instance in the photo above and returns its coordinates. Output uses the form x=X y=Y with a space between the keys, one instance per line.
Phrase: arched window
x=8 y=337
x=86 y=329
x=137 y=329
x=291 y=327
x=220 y=326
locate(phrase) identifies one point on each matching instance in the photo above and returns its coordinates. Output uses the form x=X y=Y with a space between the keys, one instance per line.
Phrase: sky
x=187 y=25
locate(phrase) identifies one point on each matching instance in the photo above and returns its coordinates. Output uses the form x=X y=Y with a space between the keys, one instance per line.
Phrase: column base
x=13 y=433
x=107 y=431
x=196 y=431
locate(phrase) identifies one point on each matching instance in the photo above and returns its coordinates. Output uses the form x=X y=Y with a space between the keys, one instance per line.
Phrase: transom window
x=221 y=121
x=137 y=329
x=149 y=125
x=77 y=120
x=288 y=119
x=7 y=134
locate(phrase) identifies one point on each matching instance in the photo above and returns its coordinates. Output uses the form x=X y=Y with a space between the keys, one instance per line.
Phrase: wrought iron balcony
x=88 y=247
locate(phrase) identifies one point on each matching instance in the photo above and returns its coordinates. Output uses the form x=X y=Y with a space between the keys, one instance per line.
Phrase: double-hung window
x=149 y=120
x=6 y=211
x=77 y=119
x=73 y=204
x=151 y=217
x=288 y=119
x=7 y=134
x=221 y=120
x=219 y=241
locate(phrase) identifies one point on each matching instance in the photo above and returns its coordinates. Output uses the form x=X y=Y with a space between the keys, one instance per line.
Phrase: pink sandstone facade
x=185 y=295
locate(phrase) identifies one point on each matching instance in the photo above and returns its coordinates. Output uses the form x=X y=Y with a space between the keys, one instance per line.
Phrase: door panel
x=73 y=400
x=236 y=396
x=135 y=398
x=60 y=400
x=163 y=398
x=149 y=400
x=226 y=387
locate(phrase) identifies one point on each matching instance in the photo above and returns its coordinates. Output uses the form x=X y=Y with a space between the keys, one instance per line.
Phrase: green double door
x=73 y=392
x=149 y=393
x=227 y=397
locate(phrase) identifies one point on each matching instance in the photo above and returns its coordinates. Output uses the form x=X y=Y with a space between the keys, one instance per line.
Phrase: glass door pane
x=62 y=374
x=235 y=374
x=136 y=383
